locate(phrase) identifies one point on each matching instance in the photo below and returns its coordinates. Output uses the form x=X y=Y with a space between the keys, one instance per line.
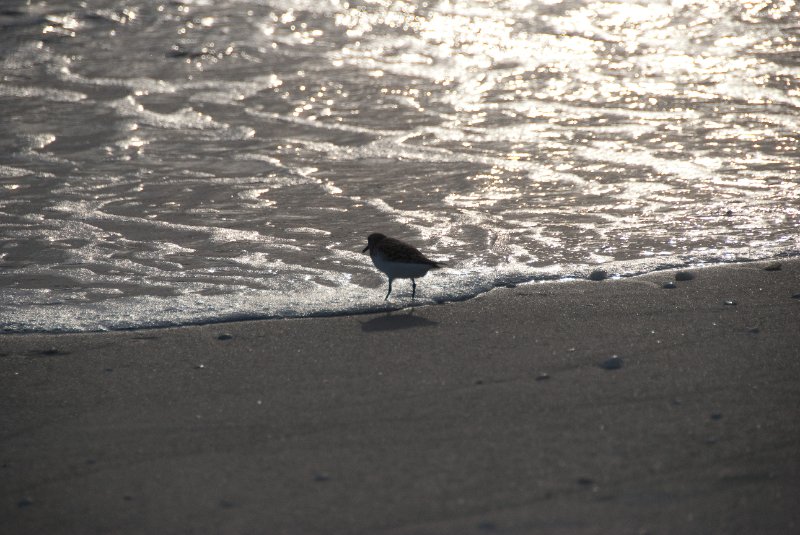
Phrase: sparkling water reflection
x=177 y=162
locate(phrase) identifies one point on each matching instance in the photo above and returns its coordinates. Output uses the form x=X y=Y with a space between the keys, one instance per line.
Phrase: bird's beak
x=365 y=249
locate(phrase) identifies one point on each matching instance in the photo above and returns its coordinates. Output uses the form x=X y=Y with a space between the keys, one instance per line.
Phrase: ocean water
x=175 y=162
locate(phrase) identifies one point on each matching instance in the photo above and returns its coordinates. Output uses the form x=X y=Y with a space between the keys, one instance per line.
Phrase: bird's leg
x=390 y=290
x=413 y=288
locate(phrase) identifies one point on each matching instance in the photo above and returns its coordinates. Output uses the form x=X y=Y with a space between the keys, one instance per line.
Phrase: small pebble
x=542 y=377
x=51 y=351
x=670 y=285
x=730 y=302
x=775 y=266
x=224 y=336
x=585 y=481
x=729 y=213
x=754 y=330
x=225 y=504
x=479 y=382
x=598 y=275
x=684 y=276
x=614 y=363
x=796 y=296
x=716 y=416
x=24 y=502
x=321 y=477
x=199 y=366
x=487 y=525
x=127 y=498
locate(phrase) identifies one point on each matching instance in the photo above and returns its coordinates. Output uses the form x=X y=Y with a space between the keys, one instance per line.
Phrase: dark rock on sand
x=487 y=525
x=598 y=275
x=24 y=502
x=684 y=276
x=542 y=377
x=775 y=266
x=614 y=363
x=716 y=416
x=730 y=302
x=225 y=336
x=669 y=285
x=796 y=296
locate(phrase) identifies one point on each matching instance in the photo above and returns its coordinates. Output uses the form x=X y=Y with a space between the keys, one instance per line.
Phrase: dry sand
x=492 y=415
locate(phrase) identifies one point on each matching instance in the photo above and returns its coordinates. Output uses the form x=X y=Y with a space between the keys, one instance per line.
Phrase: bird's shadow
x=392 y=321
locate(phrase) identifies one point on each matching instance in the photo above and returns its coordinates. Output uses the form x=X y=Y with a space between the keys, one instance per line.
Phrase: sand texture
x=502 y=414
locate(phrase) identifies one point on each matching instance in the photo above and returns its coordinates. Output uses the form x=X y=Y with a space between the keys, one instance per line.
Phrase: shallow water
x=180 y=162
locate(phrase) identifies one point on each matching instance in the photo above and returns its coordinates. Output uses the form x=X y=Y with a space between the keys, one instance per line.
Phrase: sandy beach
x=506 y=413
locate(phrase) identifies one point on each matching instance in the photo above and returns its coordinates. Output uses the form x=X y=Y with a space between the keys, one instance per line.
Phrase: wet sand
x=502 y=414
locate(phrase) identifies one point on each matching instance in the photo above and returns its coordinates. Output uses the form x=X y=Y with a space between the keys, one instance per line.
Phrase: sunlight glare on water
x=182 y=162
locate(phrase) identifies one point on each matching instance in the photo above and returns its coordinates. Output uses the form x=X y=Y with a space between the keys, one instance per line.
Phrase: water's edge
x=611 y=272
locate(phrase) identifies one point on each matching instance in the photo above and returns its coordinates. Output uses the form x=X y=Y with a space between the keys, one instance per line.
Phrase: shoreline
x=404 y=304
x=501 y=413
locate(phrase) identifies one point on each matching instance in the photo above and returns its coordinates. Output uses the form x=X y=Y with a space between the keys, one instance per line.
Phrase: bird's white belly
x=400 y=270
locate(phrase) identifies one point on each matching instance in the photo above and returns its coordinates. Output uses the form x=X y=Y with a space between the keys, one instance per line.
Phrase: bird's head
x=373 y=239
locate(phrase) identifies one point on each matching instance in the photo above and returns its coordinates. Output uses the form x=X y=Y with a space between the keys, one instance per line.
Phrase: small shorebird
x=398 y=260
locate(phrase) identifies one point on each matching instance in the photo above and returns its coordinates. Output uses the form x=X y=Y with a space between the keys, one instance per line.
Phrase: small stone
x=730 y=302
x=754 y=330
x=716 y=416
x=796 y=296
x=91 y=461
x=729 y=213
x=225 y=504
x=669 y=285
x=479 y=382
x=598 y=275
x=614 y=363
x=24 y=502
x=51 y=351
x=199 y=366
x=127 y=498
x=585 y=481
x=225 y=336
x=109 y=370
x=542 y=377
x=487 y=525
x=775 y=266
x=684 y=276
x=321 y=477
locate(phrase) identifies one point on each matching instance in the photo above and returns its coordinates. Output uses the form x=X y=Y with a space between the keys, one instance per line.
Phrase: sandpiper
x=398 y=260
